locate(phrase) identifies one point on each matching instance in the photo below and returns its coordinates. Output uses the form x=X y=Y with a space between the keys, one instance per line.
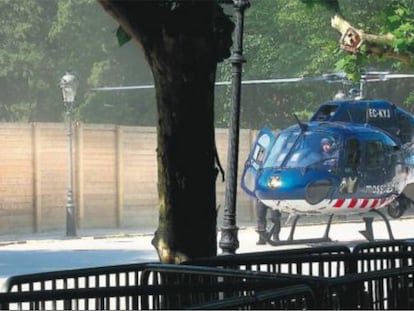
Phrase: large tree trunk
x=182 y=49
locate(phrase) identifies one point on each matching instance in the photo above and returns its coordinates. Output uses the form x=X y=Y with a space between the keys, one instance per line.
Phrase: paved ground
x=49 y=252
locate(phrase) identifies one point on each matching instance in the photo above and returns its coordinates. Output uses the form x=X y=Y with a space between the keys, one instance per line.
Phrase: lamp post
x=229 y=241
x=69 y=85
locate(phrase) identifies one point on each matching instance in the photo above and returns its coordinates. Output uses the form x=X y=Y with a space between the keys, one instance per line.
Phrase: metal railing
x=327 y=261
x=160 y=286
x=376 y=275
x=378 y=290
x=323 y=261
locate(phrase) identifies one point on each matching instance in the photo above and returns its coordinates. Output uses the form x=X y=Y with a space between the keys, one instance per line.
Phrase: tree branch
x=352 y=37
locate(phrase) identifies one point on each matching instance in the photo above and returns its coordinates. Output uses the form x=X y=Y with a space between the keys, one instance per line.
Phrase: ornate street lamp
x=229 y=242
x=69 y=84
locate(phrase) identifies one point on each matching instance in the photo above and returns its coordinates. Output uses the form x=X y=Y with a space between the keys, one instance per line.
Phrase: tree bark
x=182 y=47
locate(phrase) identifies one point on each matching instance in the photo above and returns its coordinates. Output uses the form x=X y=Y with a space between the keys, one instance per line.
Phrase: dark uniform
x=261 y=224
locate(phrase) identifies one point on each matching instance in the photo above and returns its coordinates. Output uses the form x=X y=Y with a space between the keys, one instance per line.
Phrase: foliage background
x=41 y=39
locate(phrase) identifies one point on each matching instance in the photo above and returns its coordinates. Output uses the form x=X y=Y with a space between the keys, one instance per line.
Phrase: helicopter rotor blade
x=369 y=76
x=374 y=76
x=399 y=76
x=264 y=81
x=121 y=88
x=220 y=83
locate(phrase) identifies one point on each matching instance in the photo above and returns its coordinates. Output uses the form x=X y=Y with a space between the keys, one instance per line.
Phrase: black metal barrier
x=327 y=261
x=374 y=275
x=69 y=281
x=382 y=255
x=378 y=290
x=162 y=286
x=323 y=261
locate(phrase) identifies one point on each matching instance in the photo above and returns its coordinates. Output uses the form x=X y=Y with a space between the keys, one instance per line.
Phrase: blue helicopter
x=370 y=164
x=353 y=156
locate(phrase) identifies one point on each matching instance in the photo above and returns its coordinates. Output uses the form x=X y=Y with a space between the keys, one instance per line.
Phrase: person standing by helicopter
x=261 y=221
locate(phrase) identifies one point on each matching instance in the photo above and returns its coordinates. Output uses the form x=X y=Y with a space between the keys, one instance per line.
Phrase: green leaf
x=122 y=36
x=340 y=64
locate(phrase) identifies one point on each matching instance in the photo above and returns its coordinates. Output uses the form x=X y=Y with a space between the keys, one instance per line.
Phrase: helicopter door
x=375 y=173
x=351 y=165
x=258 y=153
x=352 y=157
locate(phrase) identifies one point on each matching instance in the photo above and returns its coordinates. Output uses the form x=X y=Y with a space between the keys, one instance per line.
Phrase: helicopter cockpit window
x=314 y=147
x=301 y=149
x=283 y=143
x=352 y=113
x=259 y=150
x=325 y=113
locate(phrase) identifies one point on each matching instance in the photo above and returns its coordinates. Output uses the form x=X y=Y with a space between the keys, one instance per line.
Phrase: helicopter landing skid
x=368 y=233
x=272 y=237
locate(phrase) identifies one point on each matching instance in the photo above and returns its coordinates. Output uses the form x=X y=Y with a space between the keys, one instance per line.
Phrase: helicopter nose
x=291 y=184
